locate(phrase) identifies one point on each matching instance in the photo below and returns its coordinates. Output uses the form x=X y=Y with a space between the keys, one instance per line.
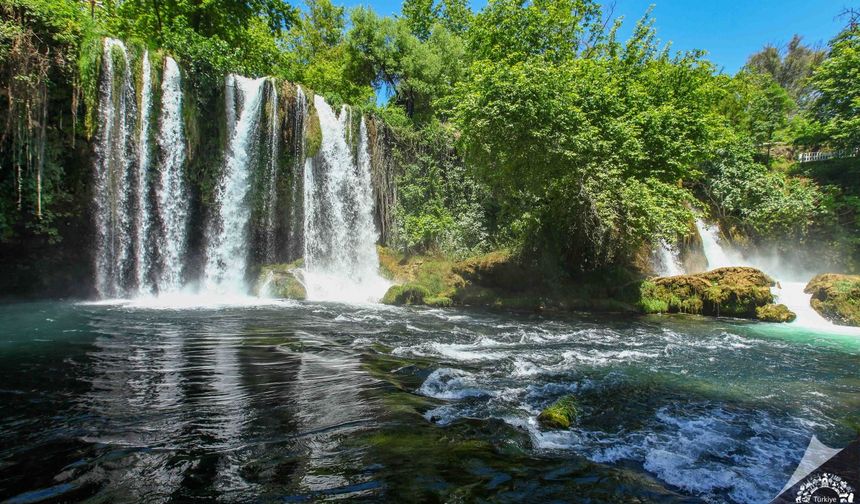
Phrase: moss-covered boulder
x=732 y=291
x=836 y=297
x=280 y=281
x=775 y=313
x=407 y=294
x=560 y=414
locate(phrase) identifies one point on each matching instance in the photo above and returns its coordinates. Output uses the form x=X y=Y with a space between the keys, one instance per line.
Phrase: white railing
x=806 y=157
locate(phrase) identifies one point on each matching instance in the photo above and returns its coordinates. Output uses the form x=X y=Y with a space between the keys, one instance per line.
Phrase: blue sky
x=729 y=30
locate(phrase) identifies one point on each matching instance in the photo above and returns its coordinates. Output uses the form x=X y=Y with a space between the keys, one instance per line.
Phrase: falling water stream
x=227 y=248
x=115 y=175
x=341 y=263
x=144 y=222
x=172 y=196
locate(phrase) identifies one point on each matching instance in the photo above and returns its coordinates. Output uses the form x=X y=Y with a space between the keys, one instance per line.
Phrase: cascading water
x=667 y=261
x=115 y=175
x=787 y=291
x=141 y=202
x=227 y=250
x=171 y=195
x=341 y=263
x=715 y=254
x=143 y=221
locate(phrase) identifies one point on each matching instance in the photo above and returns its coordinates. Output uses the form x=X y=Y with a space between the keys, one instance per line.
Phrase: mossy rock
x=732 y=291
x=560 y=414
x=836 y=297
x=775 y=313
x=407 y=294
x=438 y=301
x=313 y=133
x=279 y=280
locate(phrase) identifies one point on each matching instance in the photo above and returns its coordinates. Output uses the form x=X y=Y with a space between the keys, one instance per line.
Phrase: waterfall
x=270 y=198
x=341 y=263
x=115 y=176
x=143 y=221
x=227 y=247
x=667 y=261
x=715 y=254
x=171 y=195
x=788 y=292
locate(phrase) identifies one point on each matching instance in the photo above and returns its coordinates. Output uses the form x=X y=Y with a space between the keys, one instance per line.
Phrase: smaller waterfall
x=226 y=250
x=172 y=197
x=715 y=254
x=789 y=293
x=667 y=261
x=341 y=263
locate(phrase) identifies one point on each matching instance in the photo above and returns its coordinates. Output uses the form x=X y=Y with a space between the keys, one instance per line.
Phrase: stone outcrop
x=836 y=297
x=732 y=291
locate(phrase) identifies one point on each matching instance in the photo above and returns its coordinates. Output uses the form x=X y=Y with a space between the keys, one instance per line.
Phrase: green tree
x=790 y=66
x=837 y=81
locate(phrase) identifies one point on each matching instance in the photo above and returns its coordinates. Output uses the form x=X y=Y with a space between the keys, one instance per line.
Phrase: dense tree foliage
x=527 y=125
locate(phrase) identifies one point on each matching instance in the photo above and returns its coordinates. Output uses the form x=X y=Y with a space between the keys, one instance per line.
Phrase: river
x=306 y=401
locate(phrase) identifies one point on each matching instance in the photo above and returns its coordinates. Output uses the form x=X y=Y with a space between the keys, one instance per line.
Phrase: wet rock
x=560 y=414
x=836 y=297
x=280 y=280
x=407 y=294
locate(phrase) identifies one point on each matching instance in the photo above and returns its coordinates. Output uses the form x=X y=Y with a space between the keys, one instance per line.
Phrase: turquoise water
x=315 y=401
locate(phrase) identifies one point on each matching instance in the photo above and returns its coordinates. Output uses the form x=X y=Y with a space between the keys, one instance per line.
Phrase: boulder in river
x=836 y=297
x=560 y=414
x=280 y=280
x=733 y=291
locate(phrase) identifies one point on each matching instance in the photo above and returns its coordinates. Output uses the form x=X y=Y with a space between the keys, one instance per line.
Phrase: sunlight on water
x=192 y=301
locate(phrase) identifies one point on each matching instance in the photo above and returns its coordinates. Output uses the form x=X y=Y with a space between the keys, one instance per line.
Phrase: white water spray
x=341 y=263
x=227 y=250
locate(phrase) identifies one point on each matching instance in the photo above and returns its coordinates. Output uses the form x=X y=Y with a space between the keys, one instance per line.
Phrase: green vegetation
x=836 y=297
x=527 y=126
x=560 y=414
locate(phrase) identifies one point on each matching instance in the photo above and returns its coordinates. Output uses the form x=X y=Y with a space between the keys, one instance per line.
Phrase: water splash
x=115 y=175
x=341 y=263
x=227 y=251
